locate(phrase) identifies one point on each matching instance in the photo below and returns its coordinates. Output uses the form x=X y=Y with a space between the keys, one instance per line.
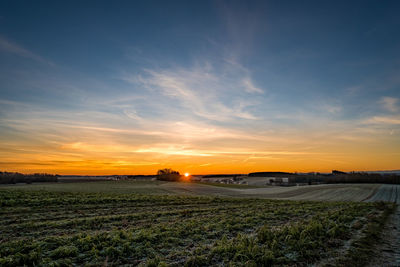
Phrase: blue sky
x=203 y=86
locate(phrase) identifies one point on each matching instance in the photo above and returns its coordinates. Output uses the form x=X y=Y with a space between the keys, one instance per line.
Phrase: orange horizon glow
x=238 y=97
x=200 y=149
x=217 y=165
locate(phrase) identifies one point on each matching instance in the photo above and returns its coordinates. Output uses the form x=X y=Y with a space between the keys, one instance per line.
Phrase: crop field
x=109 y=229
x=330 y=192
x=387 y=192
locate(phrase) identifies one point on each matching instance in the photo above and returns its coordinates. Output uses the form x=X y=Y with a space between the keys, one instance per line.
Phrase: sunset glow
x=230 y=88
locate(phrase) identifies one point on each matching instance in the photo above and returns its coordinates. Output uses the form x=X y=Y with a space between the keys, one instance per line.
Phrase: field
x=51 y=224
x=333 y=192
x=386 y=192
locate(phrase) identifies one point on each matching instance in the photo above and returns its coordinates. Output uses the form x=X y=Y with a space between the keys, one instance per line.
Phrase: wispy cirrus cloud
x=390 y=103
x=202 y=91
x=9 y=46
x=131 y=113
x=250 y=87
x=393 y=120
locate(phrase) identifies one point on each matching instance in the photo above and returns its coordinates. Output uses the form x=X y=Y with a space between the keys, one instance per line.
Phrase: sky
x=130 y=87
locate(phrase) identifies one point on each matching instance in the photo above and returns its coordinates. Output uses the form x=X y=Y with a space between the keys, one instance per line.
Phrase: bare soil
x=388 y=250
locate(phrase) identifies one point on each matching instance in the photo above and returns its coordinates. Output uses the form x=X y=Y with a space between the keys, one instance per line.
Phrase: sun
x=187 y=174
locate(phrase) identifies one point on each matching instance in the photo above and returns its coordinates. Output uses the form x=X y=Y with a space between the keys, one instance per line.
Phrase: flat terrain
x=331 y=192
x=150 y=223
x=64 y=228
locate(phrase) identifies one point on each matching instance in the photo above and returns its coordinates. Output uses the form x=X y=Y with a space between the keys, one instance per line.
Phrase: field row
x=329 y=192
x=95 y=229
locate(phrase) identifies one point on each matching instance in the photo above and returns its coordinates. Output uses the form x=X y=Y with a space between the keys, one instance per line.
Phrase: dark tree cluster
x=16 y=177
x=168 y=175
x=364 y=177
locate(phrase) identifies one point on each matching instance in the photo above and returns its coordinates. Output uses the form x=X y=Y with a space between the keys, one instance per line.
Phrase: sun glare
x=186 y=174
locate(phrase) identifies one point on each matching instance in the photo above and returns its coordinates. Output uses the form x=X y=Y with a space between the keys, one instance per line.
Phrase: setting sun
x=286 y=114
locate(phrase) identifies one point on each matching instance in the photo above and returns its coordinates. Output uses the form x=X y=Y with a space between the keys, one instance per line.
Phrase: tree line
x=16 y=177
x=168 y=175
x=364 y=177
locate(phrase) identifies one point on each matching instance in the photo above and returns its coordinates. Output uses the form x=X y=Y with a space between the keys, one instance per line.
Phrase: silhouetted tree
x=168 y=175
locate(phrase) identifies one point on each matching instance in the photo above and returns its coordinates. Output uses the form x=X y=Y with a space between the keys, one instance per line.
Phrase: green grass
x=363 y=249
x=65 y=228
